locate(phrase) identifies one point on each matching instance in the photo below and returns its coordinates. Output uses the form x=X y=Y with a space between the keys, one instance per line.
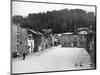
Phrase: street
x=53 y=59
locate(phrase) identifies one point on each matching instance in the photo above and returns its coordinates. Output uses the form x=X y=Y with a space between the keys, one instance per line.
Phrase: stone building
x=18 y=40
x=73 y=40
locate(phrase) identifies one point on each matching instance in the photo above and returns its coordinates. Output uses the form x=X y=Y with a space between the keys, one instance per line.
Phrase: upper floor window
x=17 y=36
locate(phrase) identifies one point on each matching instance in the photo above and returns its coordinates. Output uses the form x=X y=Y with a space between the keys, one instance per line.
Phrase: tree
x=17 y=19
x=65 y=20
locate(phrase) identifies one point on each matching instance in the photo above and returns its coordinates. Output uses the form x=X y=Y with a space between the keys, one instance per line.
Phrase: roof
x=47 y=30
x=68 y=33
x=35 y=32
x=79 y=29
x=39 y=33
x=82 y=32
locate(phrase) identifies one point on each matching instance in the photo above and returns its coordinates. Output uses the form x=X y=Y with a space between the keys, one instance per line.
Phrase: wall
x=19 y=39
x=23 y=40
x=14 y=37
x=69 y=40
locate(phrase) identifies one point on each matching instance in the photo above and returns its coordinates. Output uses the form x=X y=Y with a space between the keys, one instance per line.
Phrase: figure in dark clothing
x=24 y=55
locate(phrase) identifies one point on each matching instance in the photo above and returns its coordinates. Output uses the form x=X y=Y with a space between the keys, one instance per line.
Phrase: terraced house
x=19 y=40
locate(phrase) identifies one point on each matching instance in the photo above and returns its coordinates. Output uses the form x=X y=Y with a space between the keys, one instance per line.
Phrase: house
x=73 y=40
x=48 y=37
x=15 y=29
x=30 y=44
x=23 y=40
x=38 y=39
x=28 y=40
x=18 y=40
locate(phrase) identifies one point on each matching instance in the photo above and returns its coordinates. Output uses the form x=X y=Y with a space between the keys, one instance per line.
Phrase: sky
x=24 y=8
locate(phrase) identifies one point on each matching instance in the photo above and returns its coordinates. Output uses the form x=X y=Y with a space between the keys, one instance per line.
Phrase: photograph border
x=50 y=3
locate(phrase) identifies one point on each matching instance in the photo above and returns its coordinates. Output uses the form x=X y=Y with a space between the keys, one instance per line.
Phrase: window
x=26 y=47
x=18 y=28
x=18 y=47
x=26 y=39
x=17 y=36
x=18 y=40
x=17 y=31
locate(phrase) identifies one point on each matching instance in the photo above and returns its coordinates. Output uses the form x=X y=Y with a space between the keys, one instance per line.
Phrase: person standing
x=24 y=55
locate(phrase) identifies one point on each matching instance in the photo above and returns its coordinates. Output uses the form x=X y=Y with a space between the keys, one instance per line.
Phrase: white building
x=30 y=41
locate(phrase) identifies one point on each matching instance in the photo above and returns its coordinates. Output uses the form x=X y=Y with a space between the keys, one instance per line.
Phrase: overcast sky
x=24 y=8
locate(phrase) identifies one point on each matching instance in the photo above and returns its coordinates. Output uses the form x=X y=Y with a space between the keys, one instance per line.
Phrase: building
x=14 y=39
x=38 y=38
x=90 y=43
x=48 y=37
x=18 y=40
x=73 y=40
x=23 y=40
x=30 y=41
x=91 y=46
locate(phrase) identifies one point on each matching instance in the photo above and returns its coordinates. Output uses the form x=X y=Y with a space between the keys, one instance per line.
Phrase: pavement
x=53 y=59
